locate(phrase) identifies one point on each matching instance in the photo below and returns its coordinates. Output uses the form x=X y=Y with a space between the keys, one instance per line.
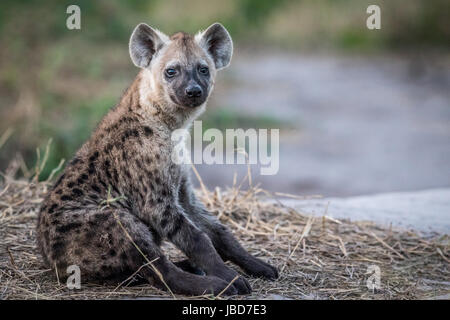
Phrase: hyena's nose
x=194 y=91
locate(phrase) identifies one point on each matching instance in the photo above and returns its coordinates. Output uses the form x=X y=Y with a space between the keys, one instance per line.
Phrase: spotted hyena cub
x=128 y=159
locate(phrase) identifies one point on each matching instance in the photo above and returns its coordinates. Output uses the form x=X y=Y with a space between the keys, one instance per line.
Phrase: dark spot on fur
x=134 y=133
x=108 y=148
x=147 y=131
x=101 y=216
x=125 y=136
x=93 y=196
x=93 y=223
x=156 y=236
x=66 y=197
x=75 y=161
x=77 y=192
x=58 y=249
x=164 y=222
x=52 y=208
x=82 y=178
x=115 y=175
x=59 y=180
x=177 y=222
x=103 y=184
x=94 y=156
x=108 y=175
x=68 y=227
x=115 y=189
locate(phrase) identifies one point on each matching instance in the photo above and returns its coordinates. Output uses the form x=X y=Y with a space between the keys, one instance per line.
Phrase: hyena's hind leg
x=103 y=250
x=223 y=240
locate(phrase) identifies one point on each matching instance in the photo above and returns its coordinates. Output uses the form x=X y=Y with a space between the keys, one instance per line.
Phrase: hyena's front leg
x=223 y=240
x=197 y=246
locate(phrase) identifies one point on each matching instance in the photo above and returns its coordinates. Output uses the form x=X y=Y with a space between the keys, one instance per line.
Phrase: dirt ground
x=318 y=257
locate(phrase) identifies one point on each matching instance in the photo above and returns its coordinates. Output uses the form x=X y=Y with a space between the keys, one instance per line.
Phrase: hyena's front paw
x=219 y=286
x=241 y=284
x=261 y=269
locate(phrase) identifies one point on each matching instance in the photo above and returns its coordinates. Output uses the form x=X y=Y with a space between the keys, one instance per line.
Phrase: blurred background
x=359 y=111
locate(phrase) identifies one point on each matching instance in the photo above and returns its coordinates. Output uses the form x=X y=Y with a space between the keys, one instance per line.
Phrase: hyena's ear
x=217 y=42
x=144 y=43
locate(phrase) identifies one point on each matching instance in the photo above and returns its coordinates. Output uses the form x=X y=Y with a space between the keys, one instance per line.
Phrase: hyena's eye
x=203 y=70
x=170 y=72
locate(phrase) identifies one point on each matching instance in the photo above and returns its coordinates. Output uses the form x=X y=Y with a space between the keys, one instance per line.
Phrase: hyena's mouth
x=188 y=102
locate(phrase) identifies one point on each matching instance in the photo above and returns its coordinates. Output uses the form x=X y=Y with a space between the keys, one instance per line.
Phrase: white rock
x=427 y=210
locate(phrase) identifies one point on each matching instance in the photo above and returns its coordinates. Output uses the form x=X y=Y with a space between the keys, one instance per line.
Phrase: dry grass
x=319 y=257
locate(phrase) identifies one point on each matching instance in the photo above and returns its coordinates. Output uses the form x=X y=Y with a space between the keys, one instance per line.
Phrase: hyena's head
x=180 y=69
